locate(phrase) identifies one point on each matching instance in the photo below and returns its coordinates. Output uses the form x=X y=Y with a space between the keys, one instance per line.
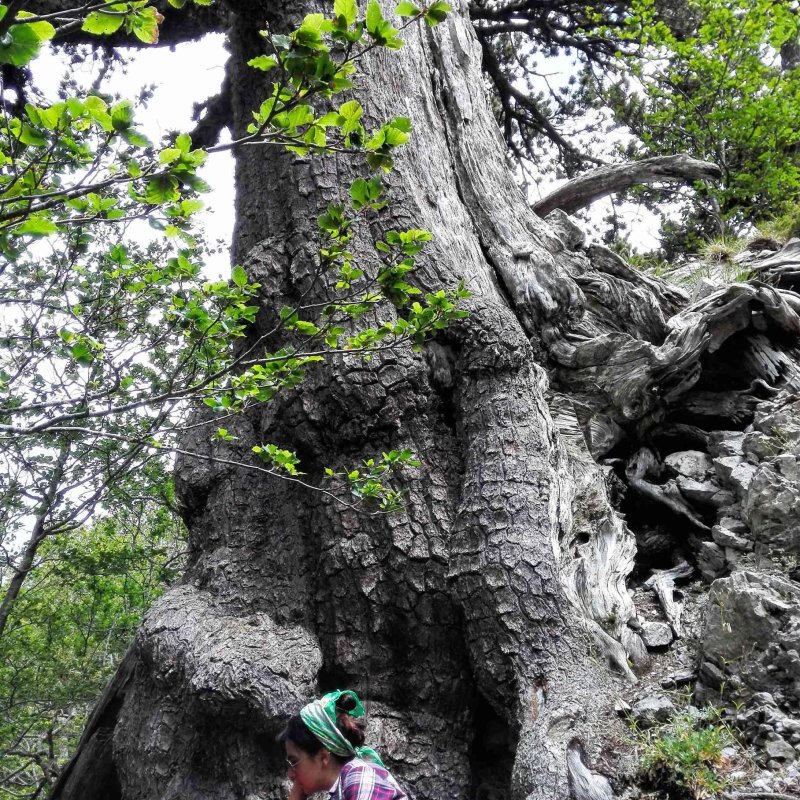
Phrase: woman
x=325 y=752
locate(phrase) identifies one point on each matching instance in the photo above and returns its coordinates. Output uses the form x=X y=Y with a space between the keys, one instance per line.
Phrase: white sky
x=182 y=76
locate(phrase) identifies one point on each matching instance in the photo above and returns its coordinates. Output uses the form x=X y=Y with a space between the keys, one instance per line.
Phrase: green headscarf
x=320 y=718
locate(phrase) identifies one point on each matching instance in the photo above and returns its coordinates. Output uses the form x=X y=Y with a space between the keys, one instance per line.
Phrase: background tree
x=715 y=79
x=73 y=623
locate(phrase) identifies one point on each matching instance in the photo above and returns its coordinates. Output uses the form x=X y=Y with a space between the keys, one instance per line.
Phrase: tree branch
x=179 y=25
x=592 y=186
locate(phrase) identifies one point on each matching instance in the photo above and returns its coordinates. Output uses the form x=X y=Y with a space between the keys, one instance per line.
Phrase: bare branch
x=592 y=186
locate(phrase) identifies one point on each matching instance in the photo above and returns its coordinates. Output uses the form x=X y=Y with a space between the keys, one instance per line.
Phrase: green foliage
x=104 y=342
x=684 y=757
x=722 y=249
x=73 y=622
x=783 y=226
x=716 y=89
x=367 y=483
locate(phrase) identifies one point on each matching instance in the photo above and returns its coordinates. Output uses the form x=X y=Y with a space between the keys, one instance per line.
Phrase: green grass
x=684 y=757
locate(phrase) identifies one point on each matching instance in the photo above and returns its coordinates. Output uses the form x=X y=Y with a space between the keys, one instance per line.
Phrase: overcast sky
x=182 y=76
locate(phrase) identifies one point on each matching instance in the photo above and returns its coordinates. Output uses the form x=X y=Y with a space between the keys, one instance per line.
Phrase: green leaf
x=264 y=63
x=21 y=43
x=169 y=154
x=374 y=16
x=122 y=115
x=406 y=9
x=135 y=138
x=43 y=29
x=359 y=192
x=437 y=12
x=36 y=226
x=31 y=137
x=103 y=23
x=346 y=9
x=144 y=24
x=161 y=189
x=239 y=276
x=307 y=328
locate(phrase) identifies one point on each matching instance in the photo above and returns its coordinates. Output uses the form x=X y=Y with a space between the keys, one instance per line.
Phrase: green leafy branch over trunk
x=105 y=342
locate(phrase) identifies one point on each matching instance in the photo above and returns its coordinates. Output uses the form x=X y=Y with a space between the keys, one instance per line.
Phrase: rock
x=656 y=635
x=652 y=710
x=752 y=639
x=740 y=478
x=704 y=287
x=678 y=679
x=702 y=492
x=733 y=524
x=692 y=464
x=722 y=499
x=772 y=505
x=712 y=675
x=711 y=560
x=725 y=443
x=622 y=707
x=780 y=749
x=727 y=538
x=725 y=465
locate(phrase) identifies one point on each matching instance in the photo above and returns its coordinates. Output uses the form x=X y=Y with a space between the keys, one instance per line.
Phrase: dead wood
x=599 y=183
x=662 y=582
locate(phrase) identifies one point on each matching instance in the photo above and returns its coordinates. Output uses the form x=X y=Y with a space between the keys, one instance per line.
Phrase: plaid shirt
x=361 y=780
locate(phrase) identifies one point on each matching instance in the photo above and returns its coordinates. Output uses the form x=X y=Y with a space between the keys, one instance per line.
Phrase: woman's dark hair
x=352 y=728
x=300 y=736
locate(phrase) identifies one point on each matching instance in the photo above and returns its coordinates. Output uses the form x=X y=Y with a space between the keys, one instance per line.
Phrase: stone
x=652 y=711
x=704 y=287
x=656 y=635
x=711 y=560
x=702 y=492
x=752 y=638
x=722 y=499
x=740 y=478
x=780 y=749
x=725 y=443
x=772 y=506
x=727 y=538
x=725 y=465
x=693 y=464
x=733 y=524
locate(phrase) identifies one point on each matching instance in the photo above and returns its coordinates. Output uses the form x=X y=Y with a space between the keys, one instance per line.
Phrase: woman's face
x=311 y=772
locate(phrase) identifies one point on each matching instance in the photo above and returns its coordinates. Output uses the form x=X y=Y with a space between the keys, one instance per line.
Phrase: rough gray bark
x=486 y=624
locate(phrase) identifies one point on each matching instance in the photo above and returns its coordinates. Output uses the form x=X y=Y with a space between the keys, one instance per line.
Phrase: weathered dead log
x=598 y=183
x=666 y=494
x=662 y=583
x=586 y=784
x=782 y=268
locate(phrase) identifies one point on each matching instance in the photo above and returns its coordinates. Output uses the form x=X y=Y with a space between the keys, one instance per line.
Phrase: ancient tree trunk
x=486 y=624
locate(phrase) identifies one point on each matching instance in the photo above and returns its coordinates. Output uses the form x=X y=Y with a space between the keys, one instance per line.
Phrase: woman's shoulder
x=357 y=772
x=357 y=766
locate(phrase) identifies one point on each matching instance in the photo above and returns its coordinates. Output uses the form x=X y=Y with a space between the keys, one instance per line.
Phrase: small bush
x=684 y=757
x=723 y=249
x=783 y=227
